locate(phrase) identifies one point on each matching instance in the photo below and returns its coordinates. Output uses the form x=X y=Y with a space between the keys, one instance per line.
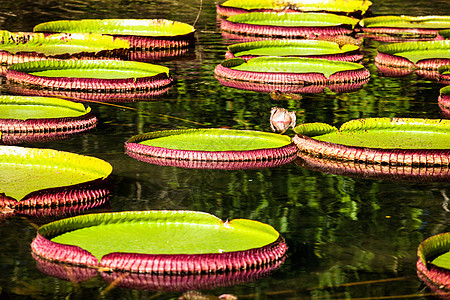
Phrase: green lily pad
x=431 y=249
x=427 y=22
x=380 y=140
x=388 y=133
x=179 y=233
x=291 y=71
x=434 y=262
x=212 y=148
x=293 y=19
x=93 y=75
x=27 y=170
x=26 y=108
x=216 y=140
x=289 y=48
x=134 y=27
x=232 y=7
x=418 y=51
x=182 y=236
x=335 y=6
x=58 y=44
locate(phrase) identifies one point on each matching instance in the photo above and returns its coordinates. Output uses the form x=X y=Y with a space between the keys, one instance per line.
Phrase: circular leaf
x=302 y=48
x=219 y=148
x=24 y=175
x=289 y=24
x=26 y=119
x=141 y=33
x=394 y=141
x=91 y=75
x=160 y=242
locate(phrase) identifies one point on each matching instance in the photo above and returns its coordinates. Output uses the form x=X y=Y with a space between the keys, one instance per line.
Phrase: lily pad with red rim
x=433 y=265
x=31 y=119
x=108 y=76
x=160 y=242
x=405 y=26
x=396 y=141
x=212 y=148
x=17 y=47
x=45 y=178
x=295 y=48
x=289 y=25
x=291 y=72
x=233 y=7
x=415 y=55
x=140 y=33
x=444 y=100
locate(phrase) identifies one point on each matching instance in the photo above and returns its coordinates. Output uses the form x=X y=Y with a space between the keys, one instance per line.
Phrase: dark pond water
x=348 y=237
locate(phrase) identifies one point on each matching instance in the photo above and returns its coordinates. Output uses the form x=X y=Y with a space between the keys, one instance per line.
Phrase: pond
x=348 y=237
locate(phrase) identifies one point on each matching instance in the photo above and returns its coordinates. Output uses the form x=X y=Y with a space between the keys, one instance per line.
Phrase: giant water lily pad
x=17 y=47
x=289 y=25
x=420 y=55
x=433 y=265
x=29 y=119
x=295 y=48
x=47 y=178
x=160 y=242
x=406 y=26
x=291 y=71
x=91 y=75
x=444 y=100
x=212 y=148
x=396 y=141
x=141 y=33
x=233 y=7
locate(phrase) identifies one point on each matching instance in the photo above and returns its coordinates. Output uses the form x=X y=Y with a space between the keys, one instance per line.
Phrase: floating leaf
x=220 y=148
x=437 y=273
x=289 y=24
x=405 y=25
x=20 y=47
x=28 y=119
x=398 y=141
x=291 y=71
x=91 y=75
x=303 y=48
x=160 y=242
x=420 y=55
x=25 y=173
x=232 y=7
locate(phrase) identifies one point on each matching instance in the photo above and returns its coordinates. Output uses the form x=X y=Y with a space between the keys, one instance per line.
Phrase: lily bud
x=281 y=119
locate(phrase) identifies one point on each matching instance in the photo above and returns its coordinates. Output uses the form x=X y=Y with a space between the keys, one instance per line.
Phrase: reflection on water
x=347 y=236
